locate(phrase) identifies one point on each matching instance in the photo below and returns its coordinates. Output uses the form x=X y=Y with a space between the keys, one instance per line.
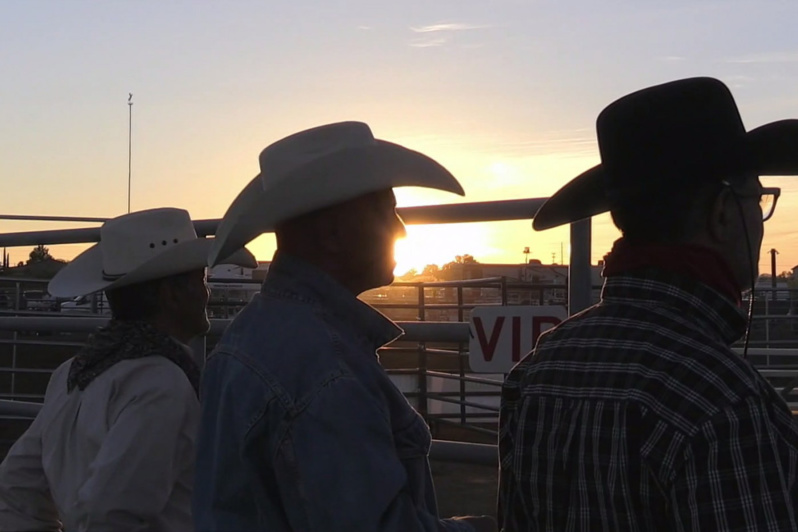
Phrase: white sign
x=501 y=336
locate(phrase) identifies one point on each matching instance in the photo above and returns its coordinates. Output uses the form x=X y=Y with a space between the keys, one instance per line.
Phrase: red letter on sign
x=488 y=347
x=537 y=322
x=516 y=354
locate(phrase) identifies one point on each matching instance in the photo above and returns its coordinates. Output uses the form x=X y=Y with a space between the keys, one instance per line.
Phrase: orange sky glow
x=505 y=94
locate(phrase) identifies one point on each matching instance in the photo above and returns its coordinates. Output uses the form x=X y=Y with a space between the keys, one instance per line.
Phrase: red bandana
x=697 y=262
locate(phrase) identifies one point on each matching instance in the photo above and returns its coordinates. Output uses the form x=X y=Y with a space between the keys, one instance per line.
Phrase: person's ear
x=336 y=230
x=722 y=217
x=169 y=296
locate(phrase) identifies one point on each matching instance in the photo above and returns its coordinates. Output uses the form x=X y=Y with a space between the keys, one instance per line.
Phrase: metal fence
x=433 y=354
x=439 y=383
x=521 y=209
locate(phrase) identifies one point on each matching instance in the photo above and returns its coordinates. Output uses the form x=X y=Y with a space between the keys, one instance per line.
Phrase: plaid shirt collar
x=692 y=299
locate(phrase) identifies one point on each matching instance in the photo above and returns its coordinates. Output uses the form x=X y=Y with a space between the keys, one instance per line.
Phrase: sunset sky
x=504 y=93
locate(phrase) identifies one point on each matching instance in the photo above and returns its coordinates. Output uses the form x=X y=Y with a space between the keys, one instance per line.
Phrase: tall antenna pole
x=129 y=145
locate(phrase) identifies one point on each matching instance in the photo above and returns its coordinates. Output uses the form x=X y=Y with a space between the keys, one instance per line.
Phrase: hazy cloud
x=575 y=143
x=439 y=34
x=766 y=58
x=579 y=142
x=738 y=81
x=426 y=43
x=455 y=26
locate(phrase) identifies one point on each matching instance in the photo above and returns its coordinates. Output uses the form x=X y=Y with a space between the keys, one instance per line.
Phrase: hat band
x=112 y=277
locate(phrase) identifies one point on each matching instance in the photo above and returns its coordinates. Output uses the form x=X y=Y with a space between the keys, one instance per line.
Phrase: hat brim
x=773 y=150
x=84 y=274
x=258 y=210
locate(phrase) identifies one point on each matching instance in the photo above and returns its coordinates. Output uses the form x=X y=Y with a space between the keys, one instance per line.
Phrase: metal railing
x=520 y=209
x=487 y=211
x=422 y=334
x=473 y=402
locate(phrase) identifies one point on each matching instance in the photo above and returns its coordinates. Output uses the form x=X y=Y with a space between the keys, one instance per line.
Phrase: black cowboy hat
x=666 y=136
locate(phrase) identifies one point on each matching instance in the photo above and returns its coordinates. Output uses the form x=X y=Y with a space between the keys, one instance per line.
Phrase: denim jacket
x=302 y=430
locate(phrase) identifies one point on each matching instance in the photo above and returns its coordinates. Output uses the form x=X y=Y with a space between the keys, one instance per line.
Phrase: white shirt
x=117 y=456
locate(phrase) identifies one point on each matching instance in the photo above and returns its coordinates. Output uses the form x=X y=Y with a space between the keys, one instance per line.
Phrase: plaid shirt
x=635 y=415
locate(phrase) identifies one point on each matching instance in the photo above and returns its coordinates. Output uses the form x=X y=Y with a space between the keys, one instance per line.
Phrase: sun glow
x=439 y=244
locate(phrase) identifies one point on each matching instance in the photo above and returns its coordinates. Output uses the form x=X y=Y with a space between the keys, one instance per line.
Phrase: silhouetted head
x=677 y=166
x=353 y=241
x=176 y=304
x=151 y=265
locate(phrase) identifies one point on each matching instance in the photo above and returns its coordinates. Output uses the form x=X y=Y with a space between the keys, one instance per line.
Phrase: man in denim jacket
x=301 y=427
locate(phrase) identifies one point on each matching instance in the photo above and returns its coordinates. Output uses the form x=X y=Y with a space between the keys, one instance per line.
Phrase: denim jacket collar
x=295 y=278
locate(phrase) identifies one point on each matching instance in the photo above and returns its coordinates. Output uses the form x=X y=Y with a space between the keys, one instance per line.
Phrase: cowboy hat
x=317 y=168
x=138 y=247
x=684 y=131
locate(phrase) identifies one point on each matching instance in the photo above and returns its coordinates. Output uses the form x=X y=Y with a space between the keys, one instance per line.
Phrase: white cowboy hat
x=317 y=168
x=138 y=247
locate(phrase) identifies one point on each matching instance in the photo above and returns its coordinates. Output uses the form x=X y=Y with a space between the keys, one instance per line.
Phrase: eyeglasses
x=768 y=196
x=767 y=201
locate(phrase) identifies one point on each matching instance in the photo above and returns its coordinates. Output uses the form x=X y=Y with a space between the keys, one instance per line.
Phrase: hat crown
x=282 y=158
x=673 y=132
x=670 y=135
x=131 y=240
x=317 y=168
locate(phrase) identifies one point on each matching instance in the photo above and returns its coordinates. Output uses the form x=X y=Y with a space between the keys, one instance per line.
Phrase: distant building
x=231 y=271
x=764 y=288
x=41 y=269
x=534 y=275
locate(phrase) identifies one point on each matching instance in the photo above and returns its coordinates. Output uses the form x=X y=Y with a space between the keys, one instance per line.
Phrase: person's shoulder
x=290 y=348
x=668 y=363
x=755 y=412
x=150 y=375
x=59 y=374
x=274 y=328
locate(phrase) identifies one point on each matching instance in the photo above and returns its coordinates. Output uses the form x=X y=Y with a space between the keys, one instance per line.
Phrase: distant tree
x=20 y=264
x=454 y=270
x=39 y=254
x=431 y=269
x=461 y=259
x=789 y=278
x=409 y=274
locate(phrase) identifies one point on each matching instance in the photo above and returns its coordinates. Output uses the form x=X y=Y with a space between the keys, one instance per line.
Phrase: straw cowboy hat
x=666 y=136
x=318 y=168
x=138 y=247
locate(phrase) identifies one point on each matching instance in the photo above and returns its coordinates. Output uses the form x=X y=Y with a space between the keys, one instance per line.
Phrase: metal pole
x=772 y=297
x=129 y=145
x=461 y=357
x=488 y=211
x=773 y=254
x=466 y=453
x=14 y=366
x=767 y=321
x=35 y=218
x=580 y=279
x=423 y=406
